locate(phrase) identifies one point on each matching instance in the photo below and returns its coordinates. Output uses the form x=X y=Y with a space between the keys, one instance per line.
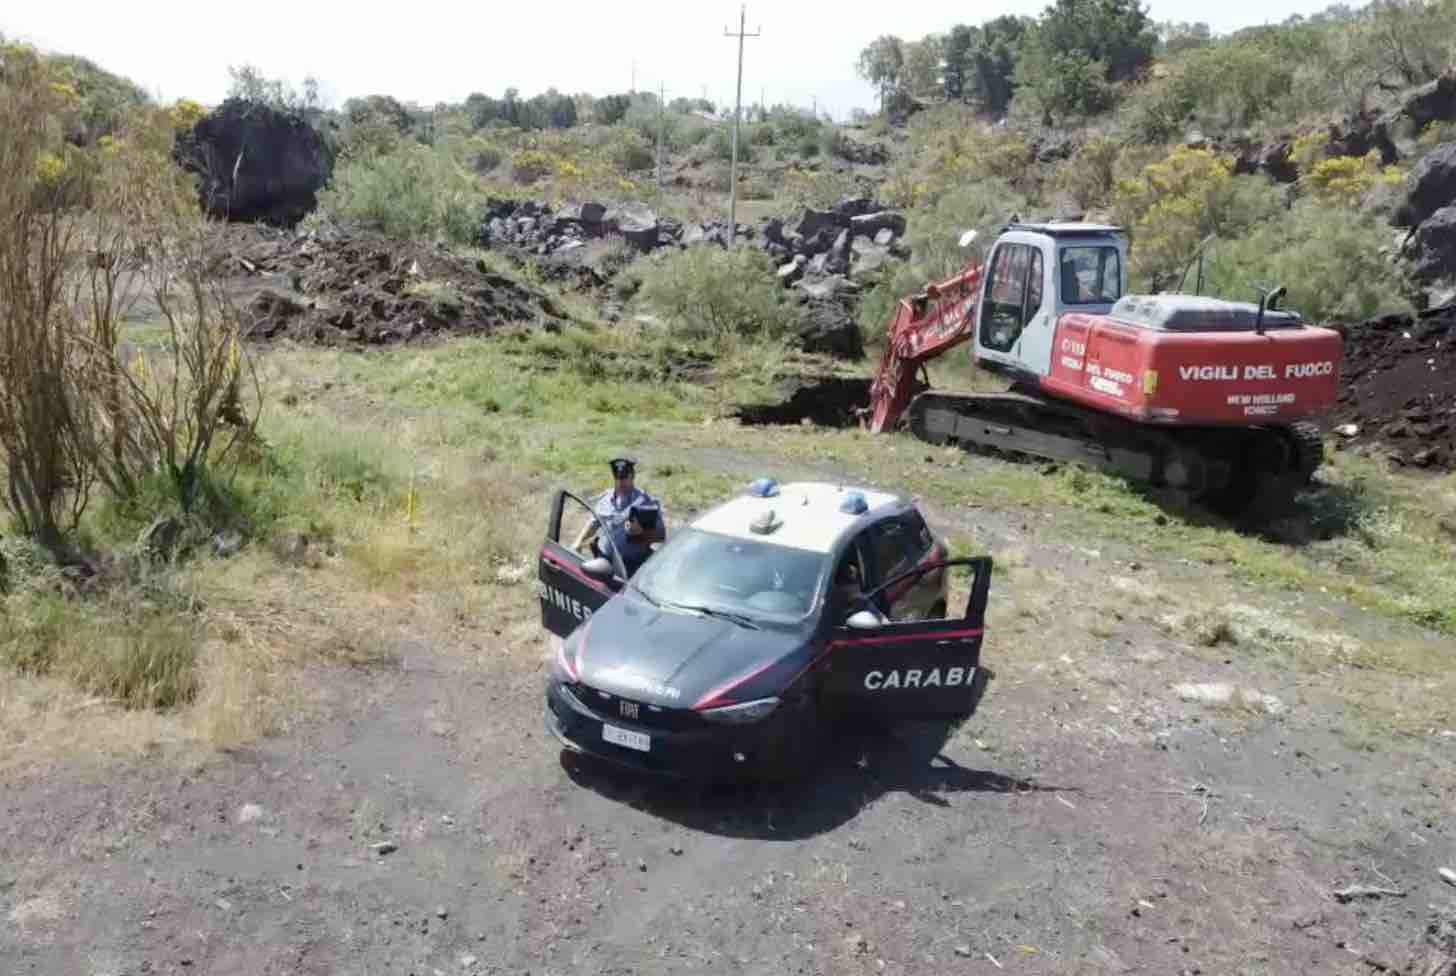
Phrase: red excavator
x=1211 y=398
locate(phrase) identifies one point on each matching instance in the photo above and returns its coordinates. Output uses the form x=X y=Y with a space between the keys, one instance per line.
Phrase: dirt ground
x=1398 y=388
x=1087 y=820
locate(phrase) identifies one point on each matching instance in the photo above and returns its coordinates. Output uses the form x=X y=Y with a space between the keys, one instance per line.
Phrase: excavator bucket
x=924 y=326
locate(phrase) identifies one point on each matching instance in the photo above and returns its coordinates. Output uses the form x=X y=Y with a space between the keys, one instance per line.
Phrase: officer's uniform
x=613 y=512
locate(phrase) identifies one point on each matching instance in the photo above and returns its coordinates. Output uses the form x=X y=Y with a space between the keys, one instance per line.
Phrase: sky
x=427 y=52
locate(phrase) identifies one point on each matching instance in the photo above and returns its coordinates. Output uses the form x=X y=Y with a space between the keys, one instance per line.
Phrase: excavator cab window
x=1013 y=296
x=1091 y=275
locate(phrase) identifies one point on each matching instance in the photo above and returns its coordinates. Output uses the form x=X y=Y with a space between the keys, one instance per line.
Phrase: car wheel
x=799 y=749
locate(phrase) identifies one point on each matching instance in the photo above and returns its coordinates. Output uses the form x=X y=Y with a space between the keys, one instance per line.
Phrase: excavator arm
x=924 y=326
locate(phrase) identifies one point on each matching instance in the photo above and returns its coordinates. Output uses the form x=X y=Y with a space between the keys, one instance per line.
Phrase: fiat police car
x=730 y=650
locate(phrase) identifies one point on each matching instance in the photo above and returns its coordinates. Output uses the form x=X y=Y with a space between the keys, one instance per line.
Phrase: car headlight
x=754 y=711
x=565 y=663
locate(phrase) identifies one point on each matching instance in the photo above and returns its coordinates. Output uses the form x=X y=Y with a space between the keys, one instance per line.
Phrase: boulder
x=792 y=271
x=821 y=242
x=773 y=231
x=816 y=264
x=1434 y=101
x=855 y=206
x=868 y=262
x=1272 y=160
x=815 y=221
x=637 y=223
x=829 y=328
x=1362 y=134
x=255 y=163
x=588 y=214
x=1431 y=186
x=871 y=224
x=863 y=153
x=1430 y=254
x=827 y=288
x=884 y=237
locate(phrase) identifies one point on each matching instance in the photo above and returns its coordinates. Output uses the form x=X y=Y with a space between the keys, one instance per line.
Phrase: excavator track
x=1225 y=469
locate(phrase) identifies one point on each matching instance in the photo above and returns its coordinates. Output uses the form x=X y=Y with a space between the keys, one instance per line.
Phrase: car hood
x=675 y=658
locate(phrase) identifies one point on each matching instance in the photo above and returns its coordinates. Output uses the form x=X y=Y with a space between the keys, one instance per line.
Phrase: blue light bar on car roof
x=764 y=488
x=854 y=504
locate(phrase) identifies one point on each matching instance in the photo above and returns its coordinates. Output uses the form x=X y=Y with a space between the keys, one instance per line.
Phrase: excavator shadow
x=1317 y=512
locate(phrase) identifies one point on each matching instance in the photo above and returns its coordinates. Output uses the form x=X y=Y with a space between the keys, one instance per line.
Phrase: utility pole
x=661 y=128
x=737 y=118
x=633 y=89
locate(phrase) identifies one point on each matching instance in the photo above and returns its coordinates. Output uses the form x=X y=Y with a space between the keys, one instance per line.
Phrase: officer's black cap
x=622 y=467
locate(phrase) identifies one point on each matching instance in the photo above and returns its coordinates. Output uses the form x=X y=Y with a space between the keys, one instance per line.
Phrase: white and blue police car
x=731 y=647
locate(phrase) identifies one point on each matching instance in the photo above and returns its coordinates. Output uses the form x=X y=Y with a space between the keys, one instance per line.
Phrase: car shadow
x=860 y=765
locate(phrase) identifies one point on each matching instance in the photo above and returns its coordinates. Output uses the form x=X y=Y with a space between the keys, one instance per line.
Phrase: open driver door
x=572 y=585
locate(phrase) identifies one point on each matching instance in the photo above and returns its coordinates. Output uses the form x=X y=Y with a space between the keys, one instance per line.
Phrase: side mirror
x=600 y=567
x=968 y=238
x=865 y=620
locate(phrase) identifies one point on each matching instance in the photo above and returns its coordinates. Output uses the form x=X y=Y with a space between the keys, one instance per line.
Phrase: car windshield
x=726 y=574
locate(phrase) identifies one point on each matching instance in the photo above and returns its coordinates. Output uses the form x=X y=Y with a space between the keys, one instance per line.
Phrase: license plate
x=626 y=737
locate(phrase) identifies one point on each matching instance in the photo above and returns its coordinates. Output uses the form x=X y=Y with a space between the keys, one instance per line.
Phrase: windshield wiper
x=742 y=620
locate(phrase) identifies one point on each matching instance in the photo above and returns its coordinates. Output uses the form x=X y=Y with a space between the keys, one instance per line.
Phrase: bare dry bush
x=78 y=406
x=48 y=475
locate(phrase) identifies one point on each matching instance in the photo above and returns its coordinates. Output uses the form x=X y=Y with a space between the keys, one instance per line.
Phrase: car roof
x=1068 y=228
x=809 y=511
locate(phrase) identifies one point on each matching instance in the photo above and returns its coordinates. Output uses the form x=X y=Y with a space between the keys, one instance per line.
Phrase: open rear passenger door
x=573 y=585
x=914 y=668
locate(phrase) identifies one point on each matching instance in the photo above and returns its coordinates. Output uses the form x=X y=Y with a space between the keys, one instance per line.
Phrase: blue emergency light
x=854 y=504
x=764 y=488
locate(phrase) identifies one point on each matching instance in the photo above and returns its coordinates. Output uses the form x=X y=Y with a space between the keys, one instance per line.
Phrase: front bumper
x=707 y=753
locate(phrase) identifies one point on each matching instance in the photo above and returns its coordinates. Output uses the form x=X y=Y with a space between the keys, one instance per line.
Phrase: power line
x=737 y=116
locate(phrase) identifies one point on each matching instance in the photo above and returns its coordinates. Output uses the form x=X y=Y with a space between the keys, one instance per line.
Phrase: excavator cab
x=1037 y=272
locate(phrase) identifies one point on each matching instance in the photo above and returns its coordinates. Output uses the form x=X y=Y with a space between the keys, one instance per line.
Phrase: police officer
x=633 y=518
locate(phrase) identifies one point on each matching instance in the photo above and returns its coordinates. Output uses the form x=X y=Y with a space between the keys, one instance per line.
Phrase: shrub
x=1174 y=204
x=632 y=153
x=415 y=191
x=1090 y=174
x=530 y=165
x=1329 y=257
x=483 y=156
x=710 y=292
x=691 y=135
x=722 y=144
x=1347 y=180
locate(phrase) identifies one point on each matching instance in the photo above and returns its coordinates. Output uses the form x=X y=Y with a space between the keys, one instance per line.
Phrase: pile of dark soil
x=1398 y=390
x=337 y=288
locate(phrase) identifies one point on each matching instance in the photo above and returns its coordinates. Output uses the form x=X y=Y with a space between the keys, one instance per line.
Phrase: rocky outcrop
x=1431 y=186
x=255 y=163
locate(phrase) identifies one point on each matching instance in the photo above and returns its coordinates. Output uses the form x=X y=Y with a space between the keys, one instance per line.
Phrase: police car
x=731 y=648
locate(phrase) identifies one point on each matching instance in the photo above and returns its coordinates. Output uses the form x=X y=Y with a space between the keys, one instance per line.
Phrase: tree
x=1116 y=33
x=1176 y=37
x=956 y=53
x=990 y=66
x=882 y=63
x=611 y=109
x=921 y=73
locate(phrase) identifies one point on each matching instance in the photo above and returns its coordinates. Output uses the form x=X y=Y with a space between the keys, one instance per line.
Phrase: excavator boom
x=925 y=326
